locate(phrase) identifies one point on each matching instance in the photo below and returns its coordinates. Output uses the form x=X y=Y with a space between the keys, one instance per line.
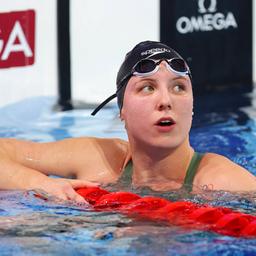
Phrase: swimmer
x=154 y=94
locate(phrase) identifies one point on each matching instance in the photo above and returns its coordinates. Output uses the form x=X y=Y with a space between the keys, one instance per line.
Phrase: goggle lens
x=145 y=66
x=178 y=65
x=149 y=66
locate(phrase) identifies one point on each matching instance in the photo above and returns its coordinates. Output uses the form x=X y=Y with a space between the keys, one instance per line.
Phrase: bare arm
x=67 y=158
x=219 y=173
x=25 y=165
x=58 y=158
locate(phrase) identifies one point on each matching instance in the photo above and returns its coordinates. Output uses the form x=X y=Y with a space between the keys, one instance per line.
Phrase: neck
x=155 y=165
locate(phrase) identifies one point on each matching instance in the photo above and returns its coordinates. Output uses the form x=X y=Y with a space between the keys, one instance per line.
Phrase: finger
x=80 y=199
x=61 y=196
x=83 y=183
x=72 y=195
x=42 y=194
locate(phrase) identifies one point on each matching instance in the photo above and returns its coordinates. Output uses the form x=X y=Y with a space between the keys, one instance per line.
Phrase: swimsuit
x=126 y=177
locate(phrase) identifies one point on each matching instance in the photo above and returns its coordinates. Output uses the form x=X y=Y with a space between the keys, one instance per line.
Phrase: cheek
x=134 y=108
x=134 y=114
x=184 y=111
x=186 y=106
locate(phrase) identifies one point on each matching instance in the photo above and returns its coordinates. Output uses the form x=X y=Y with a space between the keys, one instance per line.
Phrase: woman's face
x=157 y=109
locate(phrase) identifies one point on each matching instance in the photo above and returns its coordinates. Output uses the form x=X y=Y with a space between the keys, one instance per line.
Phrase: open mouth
x=165 y=122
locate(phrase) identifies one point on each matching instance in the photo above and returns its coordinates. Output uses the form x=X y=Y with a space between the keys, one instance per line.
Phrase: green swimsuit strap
x=126 y=176
x=191 y=171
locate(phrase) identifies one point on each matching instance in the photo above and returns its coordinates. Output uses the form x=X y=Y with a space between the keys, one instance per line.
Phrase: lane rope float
x=221 y=220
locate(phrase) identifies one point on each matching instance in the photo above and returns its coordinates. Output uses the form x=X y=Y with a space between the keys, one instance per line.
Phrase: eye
x=147 y=88
x=179 y=88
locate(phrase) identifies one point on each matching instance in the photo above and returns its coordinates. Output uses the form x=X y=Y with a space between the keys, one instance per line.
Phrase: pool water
x=32 y=226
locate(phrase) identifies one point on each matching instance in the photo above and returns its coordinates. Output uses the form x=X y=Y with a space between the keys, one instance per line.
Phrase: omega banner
x=215 y=37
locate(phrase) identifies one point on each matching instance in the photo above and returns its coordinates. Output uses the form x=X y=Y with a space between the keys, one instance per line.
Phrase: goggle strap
x=95 y=111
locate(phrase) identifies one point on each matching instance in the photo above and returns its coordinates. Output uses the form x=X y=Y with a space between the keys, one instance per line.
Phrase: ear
x=121 y=115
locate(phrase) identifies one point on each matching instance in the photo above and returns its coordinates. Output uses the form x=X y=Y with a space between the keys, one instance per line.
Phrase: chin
x=165 y=145
x=169 y=143
x=169 y=147
x=158 y=143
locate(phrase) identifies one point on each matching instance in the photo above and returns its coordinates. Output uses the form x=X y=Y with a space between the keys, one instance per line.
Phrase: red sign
x=17 y=38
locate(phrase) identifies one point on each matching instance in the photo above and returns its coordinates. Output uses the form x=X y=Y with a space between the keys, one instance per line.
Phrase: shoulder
x=107 y=145
x=220 y=173
x=92 y=143
x=116 y=143
x=100 y=158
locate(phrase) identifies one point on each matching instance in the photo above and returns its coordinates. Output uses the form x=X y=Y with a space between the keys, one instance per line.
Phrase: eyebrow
x=172 y=79
x=180 y=77
x=144 y=79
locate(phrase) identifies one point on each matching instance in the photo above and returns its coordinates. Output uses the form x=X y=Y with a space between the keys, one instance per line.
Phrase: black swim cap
x=146 y=49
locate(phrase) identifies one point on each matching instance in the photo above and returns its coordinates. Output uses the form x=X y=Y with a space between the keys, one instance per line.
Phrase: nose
x=164 y=101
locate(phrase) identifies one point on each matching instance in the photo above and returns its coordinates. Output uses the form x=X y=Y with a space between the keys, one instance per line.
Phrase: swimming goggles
x=148 y=67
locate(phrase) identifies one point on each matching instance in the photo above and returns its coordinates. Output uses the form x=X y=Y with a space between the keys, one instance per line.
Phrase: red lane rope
x=187 y=214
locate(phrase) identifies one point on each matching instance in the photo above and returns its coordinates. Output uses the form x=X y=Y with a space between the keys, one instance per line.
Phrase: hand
x=65 y=188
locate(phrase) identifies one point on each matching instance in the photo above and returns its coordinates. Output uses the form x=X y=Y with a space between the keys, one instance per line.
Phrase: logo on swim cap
x=155 y=51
